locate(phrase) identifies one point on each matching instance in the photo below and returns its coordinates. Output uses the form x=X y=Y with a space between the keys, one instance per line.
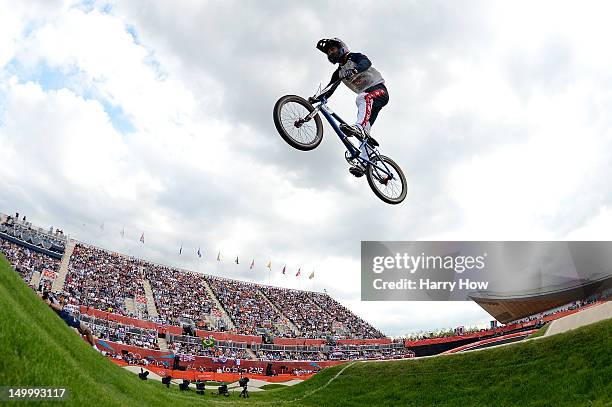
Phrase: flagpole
x=123 y=240
x=313 y=288
x=311 y=283
x=139 y=251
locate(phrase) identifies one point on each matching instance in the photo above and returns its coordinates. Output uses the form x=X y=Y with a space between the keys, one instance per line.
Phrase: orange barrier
x=226 y=365
x=194 y=375
x=225 y=336
x=222 y=336
x=121 y=318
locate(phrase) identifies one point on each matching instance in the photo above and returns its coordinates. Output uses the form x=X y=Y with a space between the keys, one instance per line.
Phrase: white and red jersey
x=366 y=77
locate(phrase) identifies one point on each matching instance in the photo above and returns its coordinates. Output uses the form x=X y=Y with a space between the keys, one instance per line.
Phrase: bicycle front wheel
x=289 y=113
x=390 y=188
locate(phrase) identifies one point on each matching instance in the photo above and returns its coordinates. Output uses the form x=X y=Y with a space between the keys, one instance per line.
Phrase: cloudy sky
x=156 y=117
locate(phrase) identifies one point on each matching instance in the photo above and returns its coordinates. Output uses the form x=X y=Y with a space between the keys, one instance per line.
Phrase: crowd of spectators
x=194 y=346
x=276 y=355
x=571 y=306
x=27 y=261
x=103 y=280
x=450 y=332
x=178 y=294
x=363 y=354
x=136 y=359
x=123 y=334
x=300 y=307
x=246 y=307
x=442 y=333
x=357 y=327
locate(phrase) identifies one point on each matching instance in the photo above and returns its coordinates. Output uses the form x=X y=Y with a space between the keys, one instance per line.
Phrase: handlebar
x=324 y=90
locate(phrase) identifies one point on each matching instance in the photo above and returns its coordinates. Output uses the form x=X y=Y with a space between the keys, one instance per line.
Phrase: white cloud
x=499 y=114
x=596 y=228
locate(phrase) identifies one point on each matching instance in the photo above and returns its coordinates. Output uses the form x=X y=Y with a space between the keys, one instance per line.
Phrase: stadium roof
x=511 y=306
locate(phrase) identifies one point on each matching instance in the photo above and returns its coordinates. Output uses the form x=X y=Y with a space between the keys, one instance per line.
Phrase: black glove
x=349 y=73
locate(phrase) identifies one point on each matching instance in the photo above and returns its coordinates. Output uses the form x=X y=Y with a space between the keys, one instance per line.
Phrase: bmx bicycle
x=298 y=122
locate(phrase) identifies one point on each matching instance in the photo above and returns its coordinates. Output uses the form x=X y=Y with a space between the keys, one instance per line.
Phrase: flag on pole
x=237 y=260
x=284 y=269
x=199 y=253
x=219 y=256
x=142 y=238
x=311 y=276
x=252 y=264
x=181 y=250
x=269 y=266
x=299 y=272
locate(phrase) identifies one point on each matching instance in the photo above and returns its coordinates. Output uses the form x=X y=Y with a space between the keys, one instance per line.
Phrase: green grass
x=213 y=383
x=273 y=386
x=564 y=370
x=571 y=369
x=540 y=332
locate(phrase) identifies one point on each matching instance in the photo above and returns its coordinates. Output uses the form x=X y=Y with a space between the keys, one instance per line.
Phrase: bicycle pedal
x=349 y=131
x=357 y=172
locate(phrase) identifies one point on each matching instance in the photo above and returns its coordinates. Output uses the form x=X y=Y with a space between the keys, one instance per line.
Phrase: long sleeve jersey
x=366 y=76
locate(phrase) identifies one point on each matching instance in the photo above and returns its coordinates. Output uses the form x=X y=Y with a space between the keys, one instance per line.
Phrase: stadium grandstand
x=150 y=314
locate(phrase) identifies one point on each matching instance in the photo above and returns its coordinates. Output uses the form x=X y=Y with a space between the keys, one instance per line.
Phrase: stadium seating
x=100 y=282
x=27 y=261
x=122 y=334
x=301 y=308
x=103 y=280
x=193 y=346
x=245 y=306
x=357 y=327
x=178 y=294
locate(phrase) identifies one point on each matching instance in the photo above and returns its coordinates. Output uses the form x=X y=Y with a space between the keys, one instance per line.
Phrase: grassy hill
x=568 y=369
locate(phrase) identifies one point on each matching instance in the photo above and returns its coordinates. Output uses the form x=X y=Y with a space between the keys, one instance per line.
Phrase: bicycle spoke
x=290 y=113
x=391 y=188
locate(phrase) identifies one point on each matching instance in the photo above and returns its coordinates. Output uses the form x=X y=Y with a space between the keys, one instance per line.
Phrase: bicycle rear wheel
x=289 y=112
x=391 y=190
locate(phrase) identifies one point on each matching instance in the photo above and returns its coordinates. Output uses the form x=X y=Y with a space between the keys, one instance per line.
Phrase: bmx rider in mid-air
x=356 y=71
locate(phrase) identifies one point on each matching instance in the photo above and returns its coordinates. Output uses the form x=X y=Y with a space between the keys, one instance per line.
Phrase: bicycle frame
x=335 y=121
